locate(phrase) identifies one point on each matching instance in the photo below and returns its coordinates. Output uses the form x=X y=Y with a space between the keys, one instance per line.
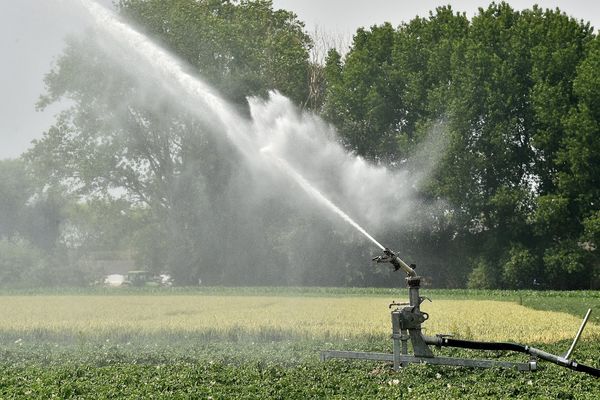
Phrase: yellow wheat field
x=309 y=317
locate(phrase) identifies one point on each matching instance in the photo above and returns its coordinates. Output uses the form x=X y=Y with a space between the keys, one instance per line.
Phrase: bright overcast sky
x=32 y=32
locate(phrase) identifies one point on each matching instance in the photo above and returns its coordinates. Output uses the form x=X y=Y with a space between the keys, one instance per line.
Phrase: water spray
x=235 y=127
x=316 y=194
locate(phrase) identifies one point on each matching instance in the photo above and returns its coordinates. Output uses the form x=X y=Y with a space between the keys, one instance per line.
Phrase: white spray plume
x=377 y=194
x=278 y=136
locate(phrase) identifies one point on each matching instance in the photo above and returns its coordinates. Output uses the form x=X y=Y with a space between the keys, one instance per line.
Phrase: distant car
x=144 y=278
x=140 y=278
x=114 y=280
x=166 y=280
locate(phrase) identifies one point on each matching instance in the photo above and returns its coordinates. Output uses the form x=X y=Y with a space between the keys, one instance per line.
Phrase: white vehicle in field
x=114 y=280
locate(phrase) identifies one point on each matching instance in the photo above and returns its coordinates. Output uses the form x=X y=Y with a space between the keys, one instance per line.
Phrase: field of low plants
x=255 y=343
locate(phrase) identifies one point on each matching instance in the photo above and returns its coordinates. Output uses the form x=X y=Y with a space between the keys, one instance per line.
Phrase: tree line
x=513 y=93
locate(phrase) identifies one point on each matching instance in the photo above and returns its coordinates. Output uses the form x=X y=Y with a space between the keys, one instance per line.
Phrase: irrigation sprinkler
x=406 y=327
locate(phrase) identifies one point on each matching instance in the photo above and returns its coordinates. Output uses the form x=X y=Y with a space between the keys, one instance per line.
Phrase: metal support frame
x=406 y=326
x=405 y=360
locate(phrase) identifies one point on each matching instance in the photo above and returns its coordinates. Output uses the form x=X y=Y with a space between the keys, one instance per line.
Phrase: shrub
x=18 y=260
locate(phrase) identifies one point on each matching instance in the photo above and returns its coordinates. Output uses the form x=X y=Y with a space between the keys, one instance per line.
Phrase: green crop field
x=254 y=343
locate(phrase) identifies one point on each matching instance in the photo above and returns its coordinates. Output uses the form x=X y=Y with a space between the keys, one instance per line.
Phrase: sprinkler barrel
x=396 y=261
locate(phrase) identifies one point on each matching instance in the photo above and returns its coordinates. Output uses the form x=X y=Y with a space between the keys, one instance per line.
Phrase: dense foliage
x=520 y=169
x=125 y=135
x=506 y=102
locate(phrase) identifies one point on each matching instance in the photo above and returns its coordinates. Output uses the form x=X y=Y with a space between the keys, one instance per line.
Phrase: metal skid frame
x=406 y=326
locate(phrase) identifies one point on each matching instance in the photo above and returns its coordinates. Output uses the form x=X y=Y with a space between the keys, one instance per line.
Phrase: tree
x=28 y=211
x=126 y=138
x=32 y=222
x=509 y=87
x=512 y=195
x=15 y=191
x=20 y=263
x=391 y=82
x=577 y=179
x=522 y=269
x=243 y=48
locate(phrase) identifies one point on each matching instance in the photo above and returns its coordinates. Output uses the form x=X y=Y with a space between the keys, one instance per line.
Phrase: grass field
x=264 y=343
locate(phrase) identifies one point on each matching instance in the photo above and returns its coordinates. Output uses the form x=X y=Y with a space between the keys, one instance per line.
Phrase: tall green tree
x=16 y=189
x=32 y=222
x=27 y=210
x=125 y=138
x=575 y=206
x=244 y=48
x=391 y=81
x=509 y=88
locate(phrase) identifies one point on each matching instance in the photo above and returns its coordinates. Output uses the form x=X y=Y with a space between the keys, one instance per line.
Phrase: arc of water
x=235 y=125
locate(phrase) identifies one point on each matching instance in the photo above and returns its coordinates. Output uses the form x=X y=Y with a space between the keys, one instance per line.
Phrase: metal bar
x=479 y=363
x=420 y=348
x=404 y=338
x=404 y=266
x=585 y=319
x=396 y=337
x=405 y=359
x=356 y=355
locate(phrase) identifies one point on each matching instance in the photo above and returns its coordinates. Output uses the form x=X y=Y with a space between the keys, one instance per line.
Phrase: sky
x=32 y=37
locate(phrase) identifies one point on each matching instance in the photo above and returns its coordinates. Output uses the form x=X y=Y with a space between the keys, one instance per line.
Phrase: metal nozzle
x=393 y=259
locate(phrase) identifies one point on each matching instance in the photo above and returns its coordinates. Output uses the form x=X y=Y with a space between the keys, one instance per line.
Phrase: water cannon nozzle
x=393 y=259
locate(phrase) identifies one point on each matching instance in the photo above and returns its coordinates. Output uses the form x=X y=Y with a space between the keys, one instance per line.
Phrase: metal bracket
x=404 y=360
x=406 y=325
x=567 y=355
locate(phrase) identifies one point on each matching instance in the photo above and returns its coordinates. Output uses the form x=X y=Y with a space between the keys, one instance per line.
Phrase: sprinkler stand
x=406 y=326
